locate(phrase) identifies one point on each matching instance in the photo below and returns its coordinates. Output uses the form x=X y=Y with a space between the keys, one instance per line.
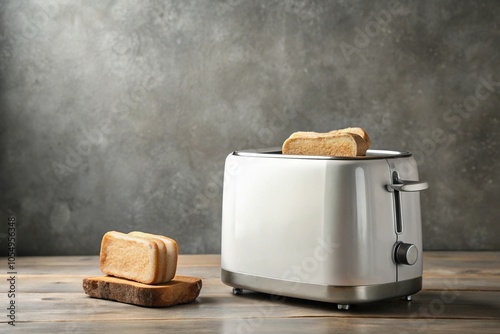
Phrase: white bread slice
x=172 y=256
x=357 y=131
x=129 y=257
x=169 y=251
x=343 y=144
x=162 y=255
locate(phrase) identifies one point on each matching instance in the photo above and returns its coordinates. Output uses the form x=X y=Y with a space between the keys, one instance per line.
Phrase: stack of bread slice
x=140 y=269
x=138 y=256
x=348 y=142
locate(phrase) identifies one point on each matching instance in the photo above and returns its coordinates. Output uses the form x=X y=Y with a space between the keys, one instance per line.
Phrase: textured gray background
x=118 y=115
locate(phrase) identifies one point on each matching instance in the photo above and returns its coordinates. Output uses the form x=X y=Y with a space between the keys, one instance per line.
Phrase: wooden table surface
x=461 y=294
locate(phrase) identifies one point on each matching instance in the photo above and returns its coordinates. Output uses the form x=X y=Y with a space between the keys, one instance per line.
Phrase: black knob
x=406 y=254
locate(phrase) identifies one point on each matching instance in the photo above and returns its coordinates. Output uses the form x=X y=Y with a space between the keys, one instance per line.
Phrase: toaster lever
x=405 y=185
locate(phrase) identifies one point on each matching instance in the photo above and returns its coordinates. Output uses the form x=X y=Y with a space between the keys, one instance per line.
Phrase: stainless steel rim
x=275 y=152
x=325 y=293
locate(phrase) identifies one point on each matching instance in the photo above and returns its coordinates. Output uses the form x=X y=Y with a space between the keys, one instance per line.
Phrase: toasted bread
x=168 y=254
x=344 y=144
x=357 y=131
x=140 y=257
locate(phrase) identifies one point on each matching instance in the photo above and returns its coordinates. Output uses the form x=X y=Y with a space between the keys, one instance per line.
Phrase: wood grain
x=270 y=326
x=461 y=294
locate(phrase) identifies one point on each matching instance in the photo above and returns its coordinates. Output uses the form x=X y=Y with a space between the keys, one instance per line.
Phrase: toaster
x=344 y=230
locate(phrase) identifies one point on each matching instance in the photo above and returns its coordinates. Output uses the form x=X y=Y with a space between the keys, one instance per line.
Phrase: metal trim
x=276 y=153
x=325 y=293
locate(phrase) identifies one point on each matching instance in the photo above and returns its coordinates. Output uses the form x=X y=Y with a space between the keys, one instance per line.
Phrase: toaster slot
x=398 y=185
x=397 y=204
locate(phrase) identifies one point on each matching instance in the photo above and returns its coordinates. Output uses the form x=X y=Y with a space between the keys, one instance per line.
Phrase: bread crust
x=172 y=256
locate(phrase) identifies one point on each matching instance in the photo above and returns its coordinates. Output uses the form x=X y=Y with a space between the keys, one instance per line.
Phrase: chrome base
x=343 y=295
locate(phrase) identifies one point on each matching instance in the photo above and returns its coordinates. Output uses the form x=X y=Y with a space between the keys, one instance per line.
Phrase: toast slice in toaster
x=357 y=131
x=139 y=257
x=343 y=144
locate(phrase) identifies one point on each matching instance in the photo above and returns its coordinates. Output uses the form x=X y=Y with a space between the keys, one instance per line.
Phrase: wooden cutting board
x=180 y=290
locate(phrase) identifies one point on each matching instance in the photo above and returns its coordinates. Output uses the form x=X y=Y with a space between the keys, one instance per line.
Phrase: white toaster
x=333 y=229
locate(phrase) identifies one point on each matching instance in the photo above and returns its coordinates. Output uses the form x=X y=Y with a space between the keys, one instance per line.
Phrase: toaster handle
x=404 y=185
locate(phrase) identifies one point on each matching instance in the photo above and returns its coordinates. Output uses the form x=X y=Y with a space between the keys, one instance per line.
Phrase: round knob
x=406 y=254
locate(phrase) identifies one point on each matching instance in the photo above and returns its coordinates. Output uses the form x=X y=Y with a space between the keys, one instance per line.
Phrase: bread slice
x=130 y=257
x=357 y=131
x=168 y=254
x=343 y=144
x=180 y=290
x=172 y=255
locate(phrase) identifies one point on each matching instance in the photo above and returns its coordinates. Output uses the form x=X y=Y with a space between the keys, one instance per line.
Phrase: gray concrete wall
x=118 y=115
